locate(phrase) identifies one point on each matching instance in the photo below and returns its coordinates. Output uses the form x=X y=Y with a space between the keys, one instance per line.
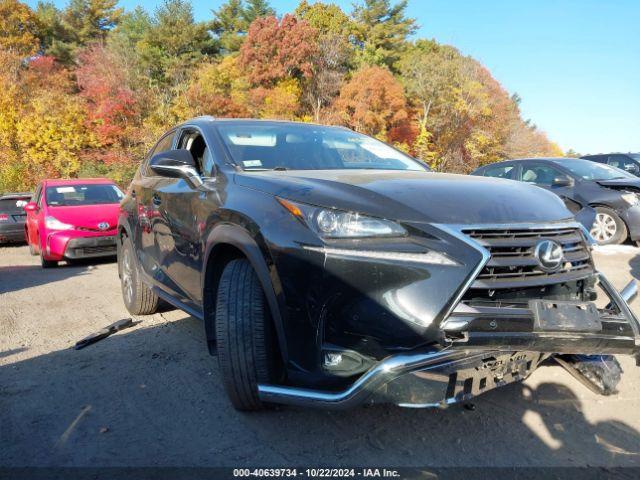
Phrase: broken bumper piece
x=477 y=360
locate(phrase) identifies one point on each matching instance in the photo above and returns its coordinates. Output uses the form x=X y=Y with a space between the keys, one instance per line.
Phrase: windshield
x=593 y=171
x=90 y=194
x=268 y=146
x=635 y=156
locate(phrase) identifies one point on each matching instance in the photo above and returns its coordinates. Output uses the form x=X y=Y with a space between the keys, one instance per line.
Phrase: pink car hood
x=87 y=216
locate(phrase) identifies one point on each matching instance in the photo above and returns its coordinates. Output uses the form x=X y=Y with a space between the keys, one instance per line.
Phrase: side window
x=539 y=174
x=622 y=162
x=193 y=141
x=499 y=171
x=164 y=144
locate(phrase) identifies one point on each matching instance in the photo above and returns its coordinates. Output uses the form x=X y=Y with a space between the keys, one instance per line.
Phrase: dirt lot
x=152 y=396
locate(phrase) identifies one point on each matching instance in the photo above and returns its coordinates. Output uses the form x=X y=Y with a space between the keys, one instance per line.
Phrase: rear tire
x=137 y=296
x=608 y=228
x=246 y=348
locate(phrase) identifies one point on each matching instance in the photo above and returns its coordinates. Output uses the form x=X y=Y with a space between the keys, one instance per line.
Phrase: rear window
x=91 y=194
x=13 y=204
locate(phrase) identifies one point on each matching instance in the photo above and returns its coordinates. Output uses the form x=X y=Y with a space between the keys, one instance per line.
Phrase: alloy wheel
x=127 y=280
x=604 y=228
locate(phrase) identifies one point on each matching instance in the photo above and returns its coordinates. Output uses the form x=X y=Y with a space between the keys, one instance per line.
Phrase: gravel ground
x=152 y=396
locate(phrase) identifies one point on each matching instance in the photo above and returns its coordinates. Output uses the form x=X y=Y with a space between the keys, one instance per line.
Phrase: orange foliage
x=372 y=102
x=276 y=50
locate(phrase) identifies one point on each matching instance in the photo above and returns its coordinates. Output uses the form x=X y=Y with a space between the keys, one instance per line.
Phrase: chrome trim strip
x=619 y=302
x=379 y=375
x=429 y=257
x=456 y=232
x=629 y=292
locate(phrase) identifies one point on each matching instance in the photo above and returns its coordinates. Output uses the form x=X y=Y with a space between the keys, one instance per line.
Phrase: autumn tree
x=333 y=57
x=19 y=28
x=43 y=127
x=216 y=88
x=383 y=31
x=372 y=102
x=104 y=84
x=86 y=88
x=275 y=50
x=327 y=19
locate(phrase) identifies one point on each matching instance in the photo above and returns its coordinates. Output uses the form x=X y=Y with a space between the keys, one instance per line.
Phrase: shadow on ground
x=153 y=396
x=634 y=263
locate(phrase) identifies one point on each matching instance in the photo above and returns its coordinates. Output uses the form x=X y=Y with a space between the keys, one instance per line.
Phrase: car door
x=39 y=218
x=180 y=246
x=32 y=220
x=143 y=189
x=547 y=176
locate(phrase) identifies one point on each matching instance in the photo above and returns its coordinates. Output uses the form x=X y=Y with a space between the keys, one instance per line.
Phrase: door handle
x=156 y=199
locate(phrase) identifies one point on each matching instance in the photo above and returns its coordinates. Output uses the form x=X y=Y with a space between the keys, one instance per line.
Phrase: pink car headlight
x=53 y=223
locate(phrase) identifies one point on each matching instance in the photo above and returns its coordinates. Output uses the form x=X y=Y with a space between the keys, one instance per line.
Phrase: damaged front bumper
x=476 y=360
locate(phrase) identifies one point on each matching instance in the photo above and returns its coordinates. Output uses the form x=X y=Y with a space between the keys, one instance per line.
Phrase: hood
x=413 y=196
x=621 y=183
x=87 y=216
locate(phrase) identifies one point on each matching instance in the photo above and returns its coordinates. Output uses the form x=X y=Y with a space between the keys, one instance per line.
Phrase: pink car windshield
x=89 y=194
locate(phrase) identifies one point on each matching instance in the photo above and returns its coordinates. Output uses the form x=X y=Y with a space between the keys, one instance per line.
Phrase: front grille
x=513 y=264
x=96 y=250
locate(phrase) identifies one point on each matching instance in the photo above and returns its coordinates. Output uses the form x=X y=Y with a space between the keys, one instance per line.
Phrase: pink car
x=73 y=219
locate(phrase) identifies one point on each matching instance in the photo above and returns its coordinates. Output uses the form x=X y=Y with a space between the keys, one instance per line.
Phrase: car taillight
x=4 y=217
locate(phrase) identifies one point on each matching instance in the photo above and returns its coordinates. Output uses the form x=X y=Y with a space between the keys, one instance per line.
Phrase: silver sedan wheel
x=127 y=278
x=604 y=228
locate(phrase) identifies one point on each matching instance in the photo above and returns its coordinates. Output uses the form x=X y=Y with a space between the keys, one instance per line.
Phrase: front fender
x=259 y=257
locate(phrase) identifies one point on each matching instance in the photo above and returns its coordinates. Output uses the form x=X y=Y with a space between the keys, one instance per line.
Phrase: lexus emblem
x=103 y=226
x=549 y=255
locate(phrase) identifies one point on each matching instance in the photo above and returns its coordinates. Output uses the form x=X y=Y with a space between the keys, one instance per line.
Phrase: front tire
x=608 y=228
x=244 y=335
x=137 y=296
x=47 y=263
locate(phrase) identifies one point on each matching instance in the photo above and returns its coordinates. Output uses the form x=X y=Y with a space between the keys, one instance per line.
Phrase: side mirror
x=31 y=207
x=176 y=164
x=561 y=182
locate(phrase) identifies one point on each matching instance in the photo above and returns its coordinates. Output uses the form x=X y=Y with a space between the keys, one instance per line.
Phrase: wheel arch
x=225 y=243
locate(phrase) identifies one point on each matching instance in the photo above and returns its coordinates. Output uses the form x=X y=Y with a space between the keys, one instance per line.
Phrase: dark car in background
x=629 y=162
x=13 y=217
x=330 y=269
x=612 y=192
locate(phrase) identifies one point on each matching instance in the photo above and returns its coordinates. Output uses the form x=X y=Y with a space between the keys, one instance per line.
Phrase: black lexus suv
x=330 y=269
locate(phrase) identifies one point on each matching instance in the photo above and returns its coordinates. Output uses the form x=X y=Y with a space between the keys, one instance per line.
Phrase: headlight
x=53 y=223
x=330 y=223
x=630 y=198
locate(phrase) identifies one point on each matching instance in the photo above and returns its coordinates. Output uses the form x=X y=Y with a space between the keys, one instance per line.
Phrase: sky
x=575 y=63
